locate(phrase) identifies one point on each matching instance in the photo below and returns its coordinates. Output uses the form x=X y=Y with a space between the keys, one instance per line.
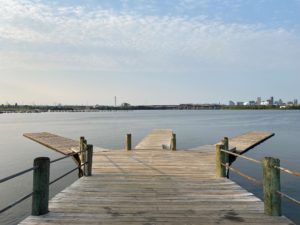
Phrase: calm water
x=107 y=129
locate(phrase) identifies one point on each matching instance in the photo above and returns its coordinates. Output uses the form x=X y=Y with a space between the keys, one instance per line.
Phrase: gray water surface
x=107 y=129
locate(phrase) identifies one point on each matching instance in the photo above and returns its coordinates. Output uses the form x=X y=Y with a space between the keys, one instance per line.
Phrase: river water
x=107 y=129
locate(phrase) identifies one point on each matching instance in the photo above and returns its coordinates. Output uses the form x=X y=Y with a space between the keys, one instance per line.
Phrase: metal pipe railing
x=271 y=176
x=41 y=183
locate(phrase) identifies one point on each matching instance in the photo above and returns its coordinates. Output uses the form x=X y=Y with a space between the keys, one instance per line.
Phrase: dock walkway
x=155 y=187
x=249 y=140
x=57 y=143
x=157 y=139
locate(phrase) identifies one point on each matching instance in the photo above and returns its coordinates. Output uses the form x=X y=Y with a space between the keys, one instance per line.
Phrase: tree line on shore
x=75 y=108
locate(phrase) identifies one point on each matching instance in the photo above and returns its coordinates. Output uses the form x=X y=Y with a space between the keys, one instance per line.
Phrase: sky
x=148 y=51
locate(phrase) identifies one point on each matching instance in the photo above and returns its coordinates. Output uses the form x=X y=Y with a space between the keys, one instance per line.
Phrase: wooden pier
x=57 y=143
x=243 y=143
x=157 y=139
x=247 y=141
x=154 y=186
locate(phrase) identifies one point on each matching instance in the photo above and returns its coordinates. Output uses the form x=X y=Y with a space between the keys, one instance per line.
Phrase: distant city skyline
x=266 y=102
x=258 y=101
x=148 y=52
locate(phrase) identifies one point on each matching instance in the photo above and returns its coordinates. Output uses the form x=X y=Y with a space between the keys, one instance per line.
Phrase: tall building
x=271 y=101
x=295 y=101
x=258 y=101
x=231 y=103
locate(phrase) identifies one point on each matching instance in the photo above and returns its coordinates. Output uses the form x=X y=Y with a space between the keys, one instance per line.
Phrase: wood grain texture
x=143 y=187
x=249 y=140
x=57 y=143
x=157 y=139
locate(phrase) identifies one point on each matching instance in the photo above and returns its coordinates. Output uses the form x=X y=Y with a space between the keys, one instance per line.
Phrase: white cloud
x=46 y=37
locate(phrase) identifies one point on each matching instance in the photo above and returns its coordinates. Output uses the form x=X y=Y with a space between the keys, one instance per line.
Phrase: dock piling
x=40 y=195
x=128 y=142
x=82 y=155
x=271 y=186
x=226 y=155
x=173 y=144
x=81 y=146
x=88 y=171
x=220 y=158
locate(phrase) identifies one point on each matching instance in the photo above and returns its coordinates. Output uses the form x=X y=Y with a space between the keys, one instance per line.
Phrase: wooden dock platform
x=245 y=142
x=65 y=146
x=157 y=139
x=155 y=187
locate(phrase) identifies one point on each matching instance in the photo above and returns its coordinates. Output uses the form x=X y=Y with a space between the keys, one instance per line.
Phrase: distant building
x=271 y=101
x=265 y=102
x=295 y=101
x=258 y=101
x=231 y=103
x=280 y=102
x=125 y=105
x=240 y=103
x=252 y=103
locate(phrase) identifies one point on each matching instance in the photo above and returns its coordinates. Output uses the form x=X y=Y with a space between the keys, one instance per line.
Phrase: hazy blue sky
x=148 y=51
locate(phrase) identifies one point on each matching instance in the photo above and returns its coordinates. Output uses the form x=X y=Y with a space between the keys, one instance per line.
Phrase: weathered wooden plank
x=60 y=144
x=157 y=139
x=156 y=187
x=247 y=141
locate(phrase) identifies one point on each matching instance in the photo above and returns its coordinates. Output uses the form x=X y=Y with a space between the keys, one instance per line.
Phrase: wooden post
x=88 y=168
x=40 y=195
x=226 y=143
x=128 y=142
x=226 y=155
x=220 y=158
x=84 y=155
x=82 y=147
x=271 y=184
x=173 y=146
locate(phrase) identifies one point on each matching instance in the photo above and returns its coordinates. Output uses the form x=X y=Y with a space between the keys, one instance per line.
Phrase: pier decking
x=249 y=140
x=154 y=186
x=57 y=143
x=157 y=139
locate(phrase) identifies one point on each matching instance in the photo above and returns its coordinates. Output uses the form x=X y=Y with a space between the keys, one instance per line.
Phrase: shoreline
x=145 y=109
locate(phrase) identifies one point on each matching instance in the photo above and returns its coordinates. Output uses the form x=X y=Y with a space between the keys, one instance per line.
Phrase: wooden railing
x=41 y=178
x=271 y=176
